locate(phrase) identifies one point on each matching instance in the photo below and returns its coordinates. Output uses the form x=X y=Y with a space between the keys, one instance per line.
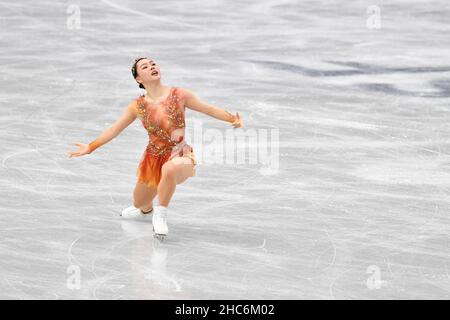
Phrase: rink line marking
x=152 y=17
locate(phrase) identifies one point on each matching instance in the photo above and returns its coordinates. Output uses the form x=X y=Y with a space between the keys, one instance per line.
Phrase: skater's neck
x=155 y=90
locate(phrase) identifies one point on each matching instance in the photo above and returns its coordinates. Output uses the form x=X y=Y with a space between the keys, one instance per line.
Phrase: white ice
x=358 y=207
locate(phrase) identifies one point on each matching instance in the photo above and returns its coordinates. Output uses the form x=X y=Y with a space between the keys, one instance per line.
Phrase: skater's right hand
x=82 y=150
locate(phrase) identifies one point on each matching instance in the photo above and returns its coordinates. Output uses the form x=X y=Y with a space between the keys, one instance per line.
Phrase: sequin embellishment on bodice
x=165 y=126
x=164 y=123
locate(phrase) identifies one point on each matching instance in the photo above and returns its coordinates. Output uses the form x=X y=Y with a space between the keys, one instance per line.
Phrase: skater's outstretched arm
x=128 y=116
x=195 y=103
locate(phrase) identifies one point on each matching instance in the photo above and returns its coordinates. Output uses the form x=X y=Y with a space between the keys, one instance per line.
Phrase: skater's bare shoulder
x=186 y=94
x=192 y=101
x=133 y=106
x=183 y=92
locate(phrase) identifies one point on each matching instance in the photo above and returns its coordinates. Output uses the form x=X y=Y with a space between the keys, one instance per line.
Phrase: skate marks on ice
x=440 y=87
x=357 y=209
x=152 y=17
x=130 y=266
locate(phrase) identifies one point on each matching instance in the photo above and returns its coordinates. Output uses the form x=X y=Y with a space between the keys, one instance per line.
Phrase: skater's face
x=147 y=71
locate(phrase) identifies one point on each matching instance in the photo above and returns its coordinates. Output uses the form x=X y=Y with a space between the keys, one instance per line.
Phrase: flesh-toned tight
x=173 y=172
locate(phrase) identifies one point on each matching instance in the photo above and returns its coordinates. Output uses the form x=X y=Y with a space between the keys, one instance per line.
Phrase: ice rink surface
x=357 y=206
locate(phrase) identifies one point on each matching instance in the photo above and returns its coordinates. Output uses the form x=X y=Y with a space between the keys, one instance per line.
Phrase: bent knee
x=169 y=172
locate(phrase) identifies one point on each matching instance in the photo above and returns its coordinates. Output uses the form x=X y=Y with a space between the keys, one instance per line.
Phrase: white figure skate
x=133 y=213
x=159 y=220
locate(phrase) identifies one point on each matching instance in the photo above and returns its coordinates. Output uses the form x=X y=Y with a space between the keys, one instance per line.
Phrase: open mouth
x=154 y=73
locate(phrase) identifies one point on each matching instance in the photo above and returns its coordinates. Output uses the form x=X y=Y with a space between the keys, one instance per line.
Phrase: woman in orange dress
x=168 y=160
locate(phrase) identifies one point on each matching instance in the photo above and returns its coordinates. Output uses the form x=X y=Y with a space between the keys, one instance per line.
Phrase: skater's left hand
x=82 y=150
x=237 y=123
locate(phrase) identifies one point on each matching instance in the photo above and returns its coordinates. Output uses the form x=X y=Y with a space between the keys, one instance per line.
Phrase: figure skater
x=168 y=160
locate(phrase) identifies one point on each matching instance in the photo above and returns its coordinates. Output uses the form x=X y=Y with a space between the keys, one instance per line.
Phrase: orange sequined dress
x=165 y=125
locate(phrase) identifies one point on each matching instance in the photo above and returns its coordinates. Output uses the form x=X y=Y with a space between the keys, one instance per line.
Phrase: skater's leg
x=143 y=196
x=174 y=172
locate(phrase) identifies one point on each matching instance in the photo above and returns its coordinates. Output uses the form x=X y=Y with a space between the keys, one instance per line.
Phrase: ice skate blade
x=160 y=237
